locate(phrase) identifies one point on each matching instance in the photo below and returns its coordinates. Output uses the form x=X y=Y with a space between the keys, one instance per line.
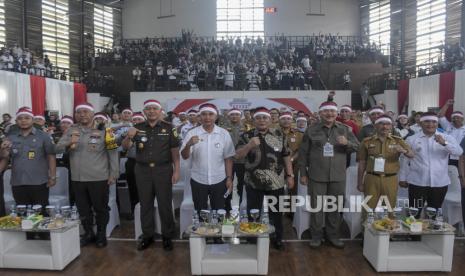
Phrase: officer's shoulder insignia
x=166 y=122
x=396 y=137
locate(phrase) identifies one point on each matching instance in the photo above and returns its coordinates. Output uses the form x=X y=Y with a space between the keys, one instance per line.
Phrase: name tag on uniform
x=59 y=156
x=31 y=155
x=379 y=165
x=328 y=150
x=293 y=140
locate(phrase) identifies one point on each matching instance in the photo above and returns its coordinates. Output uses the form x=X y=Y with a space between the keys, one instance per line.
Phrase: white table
x=54 y=254
x=229 y=258
x=433 y=253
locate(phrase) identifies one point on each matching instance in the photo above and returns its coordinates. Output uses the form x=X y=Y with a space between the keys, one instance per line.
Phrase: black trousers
x=433 y=196
x=255 y=201
x=155 y=183
x=2 y=199
x=93 y=197
x=131 y=180
x=239 y=172
x=31 y=194
x=201 y=193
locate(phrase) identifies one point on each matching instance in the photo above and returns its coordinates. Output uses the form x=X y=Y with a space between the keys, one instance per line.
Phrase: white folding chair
x=301 y=221
x=452 y=206
x=114 y=212
x=7 y=193
x=353 y=219
x=59 y=194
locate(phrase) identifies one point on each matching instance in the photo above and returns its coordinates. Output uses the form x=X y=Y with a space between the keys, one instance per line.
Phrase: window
x=2 y=24
x=103 y=27
x=431 y=31
x=379 y=26
x=55 y=32
x=239 y=18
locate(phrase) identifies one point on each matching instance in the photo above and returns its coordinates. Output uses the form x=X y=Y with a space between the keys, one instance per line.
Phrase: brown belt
x=383 y=174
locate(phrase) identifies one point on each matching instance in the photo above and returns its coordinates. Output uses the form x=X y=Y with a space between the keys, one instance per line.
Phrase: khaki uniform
x=294 y=139
x=377 y=184
x=248 y=124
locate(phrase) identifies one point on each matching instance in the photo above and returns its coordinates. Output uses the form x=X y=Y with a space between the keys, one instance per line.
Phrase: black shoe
x=167 y=244
x=144 y=243
x=278 y=245
x=87 y=238
x=337 y=243
x=101 y=240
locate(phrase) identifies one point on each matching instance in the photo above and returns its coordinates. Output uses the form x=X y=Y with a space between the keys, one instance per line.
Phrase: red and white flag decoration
x=39 y=93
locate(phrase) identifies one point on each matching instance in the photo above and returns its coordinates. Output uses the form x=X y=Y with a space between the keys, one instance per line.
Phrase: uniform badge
x=175 y=133
x=217 y=145
x=15 y=151
x=31 y=155
x=34 y=140
x=293 y=140
x=276 y=149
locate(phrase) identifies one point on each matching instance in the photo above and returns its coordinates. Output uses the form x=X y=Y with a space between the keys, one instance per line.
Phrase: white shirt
x=208 y=166
x=457 y=133
x=416 y=128
x=185 y=129
x=429 y=166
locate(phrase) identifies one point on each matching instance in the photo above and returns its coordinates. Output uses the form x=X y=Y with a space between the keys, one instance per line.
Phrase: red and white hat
x=101 y=115
x=24 y=111
x=402 y=116
x=286 y=114
x=261 y=111
x=234 y=111
x=346 y=107
x=127 y=110
x=301 y=119
x=429 y=116
x=67 y=118
x=87 y=106
x=193 y=112
x=376 y=109
x=328 y=106
x=41 y=117
x=456 y=114
x=383 y=119
x=138 y=115
x=208 y=107
x=152 y=103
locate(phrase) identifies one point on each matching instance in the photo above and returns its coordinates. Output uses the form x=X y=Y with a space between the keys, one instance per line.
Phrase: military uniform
x=248 y=124
x=154 y=170
x=381 y=181
x=324 y=162
x=369 y=130
x=236 y=130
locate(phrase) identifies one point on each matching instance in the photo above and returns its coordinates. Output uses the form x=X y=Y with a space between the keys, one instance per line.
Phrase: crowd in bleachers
x=193 y=63
x=454 y=60
x=25 y=61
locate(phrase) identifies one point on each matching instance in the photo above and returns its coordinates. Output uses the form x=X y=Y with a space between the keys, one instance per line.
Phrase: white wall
x=140 y=17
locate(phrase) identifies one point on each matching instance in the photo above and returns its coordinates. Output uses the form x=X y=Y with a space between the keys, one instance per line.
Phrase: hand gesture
x=194 y=140
x=304 y=180
x=341 y=140
x=400 y=149
x=75 y=137
x=132 y=132
x=254 y=142
x=450 y=102
x=439 y=139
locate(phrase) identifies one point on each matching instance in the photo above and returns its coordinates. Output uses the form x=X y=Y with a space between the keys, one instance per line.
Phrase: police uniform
x=92 y=161
x=154 y=170
x=29 y=166
x=381 y=180
x=294 y=139
x=236 y=130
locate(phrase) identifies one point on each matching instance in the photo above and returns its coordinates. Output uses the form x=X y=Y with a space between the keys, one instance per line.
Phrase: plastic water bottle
x=74 y=213
x=370 y=217
x=244 y=216
x=195 y=219
x=265 y=219
x=440 y=219
x=214 y=219
x=29 y=211
x=13 y=213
